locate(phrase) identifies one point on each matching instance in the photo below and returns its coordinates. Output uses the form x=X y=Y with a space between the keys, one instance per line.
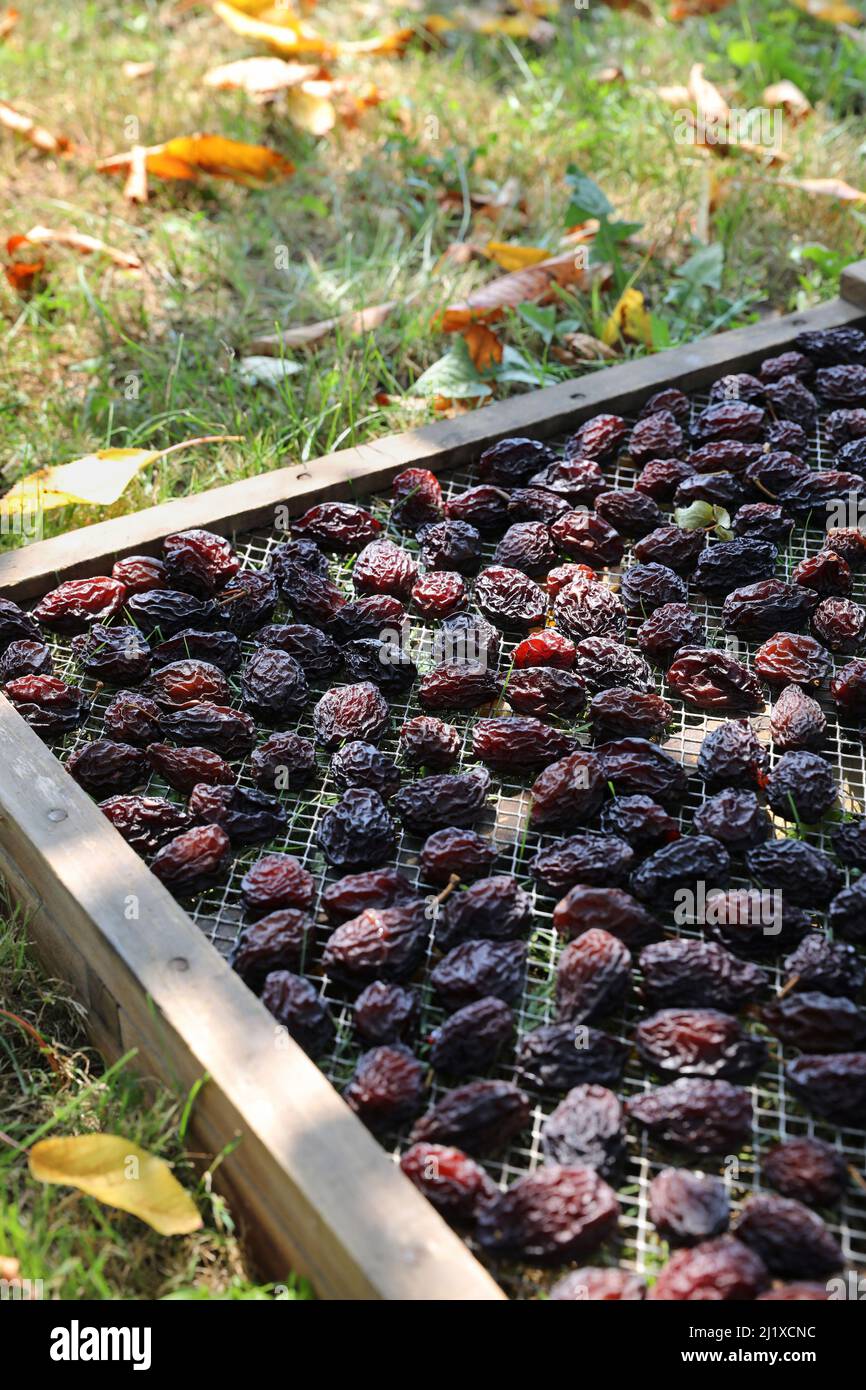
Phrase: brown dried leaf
x=532 y=285
x=788 y=95
x=826 y=188
x=484 y=347
x=28 y=130
x=74 y=241
x=356 y=321
x=583 y=347
x=711 y=105
x=8 y=22
x=685 y=9
x=187 y=156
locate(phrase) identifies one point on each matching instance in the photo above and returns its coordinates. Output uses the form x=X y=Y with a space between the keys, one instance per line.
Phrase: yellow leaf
x=788 y=95
x=260 y=76
x=826 y=188
x=99 y=478
x=187 y=156
x=629 y=320
x=512 y=257
x=120 y=1174
x=831 y=13
x=287 y=33
x=311 y=110
x=28 y=130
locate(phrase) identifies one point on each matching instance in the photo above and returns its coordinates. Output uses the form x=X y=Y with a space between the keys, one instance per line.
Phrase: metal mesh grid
x=219 y=914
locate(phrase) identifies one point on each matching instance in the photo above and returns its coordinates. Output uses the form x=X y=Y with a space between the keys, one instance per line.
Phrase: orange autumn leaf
x=485 y=349
x=829 y=11
x=187 y=156
x=685 y=9
x=73 y=241
x=535 y=284
x=8 y=22
x=27 y=128
x=21 y=274
x=292 y=35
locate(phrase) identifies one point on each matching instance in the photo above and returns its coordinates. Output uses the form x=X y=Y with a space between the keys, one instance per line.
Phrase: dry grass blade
x=356 y=321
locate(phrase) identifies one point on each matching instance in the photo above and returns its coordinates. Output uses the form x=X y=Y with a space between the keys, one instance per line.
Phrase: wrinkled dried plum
x=145 y=822
x=686 y=1208
x=660 y=478
x=513 y=461
x=353 y=894
x=485 y=507
x=475 y=969
x=833 y=1086
x=690 y=860
x=444 y=800
x=357 y=833
x=608 y=910
x=199 y=561
x=138 y=573
x=732 y=756
x=586 y=1128
x=771 y=475
x=816 y=490
x=133 y=718
x=295 y=1004
x=417 y=498
x=593 y=976
x=387 y=1013
x=246 y=603
x=622 y=713
x=429 y=742
x=545 y=648
x=830 y=967
x=598 y=438
x=699 y=1042
x=646 y=587
x=636 y=765
x=735 y=818
x=292 y=556
x=536 y=504
x=454 y=1183
x=764 y=521
x=568 y=791
x=840 y=624
x=104 y=767
x=669 y=628
x=194 y=860
x=843 y=385
x=848 y=688
x=789 y=399
x=712 y=679
x=628 y=511
x=752 y=922
x=698 y=1115
x=762 y=609
x=797 y=721
x=387 y=1088
x=24 y=657
x=640 y=821
x=591 y=858
x=801 y=787
x=313 y=598
x=519 y=743
x=385 y=663
x=546 y=693
x=670 y=398
x=585 y=608
x=185 y=768
x=164 y=612
x=384 y=568
x=220 y=649
x=379 y=944
x=276 y=881
x=671 y=546
x=340 y=526
x=587 y=538
x=284 y=762
x=719 y=489
x=721 y=1270
x=279 y=941
x=806 y=1170
x=788 y=1237
x=359 y=764
x=493 y=909
x=824 y=573
x=71 y=607
x=350 y=712
x=786 y=435
x=603 y=663
x=579 y=480
x=315 y=652
x=526 y=546
x=114 y=655
x=842 y=425
x=452 y=851
x=786 y=364
x=247 y=815
x=655 y=436
x=816 y=1022
x=698 y=974
x=450 y=545
x=561 y=576
x=458 y=685
x=729 y=419
x=472 y=1039
x=480 y=1117
x=550 y=1216
x=804 y=873
x=509 y=598
x=467 y=637
x=183 y=682
x=732 y=564
x=596 y=1284
x=738 y=386
x=558 y=1056
x=227 y=731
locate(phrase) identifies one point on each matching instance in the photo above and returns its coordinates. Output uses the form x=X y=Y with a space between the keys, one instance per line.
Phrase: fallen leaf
x=605 y=76
x=640 y=7
x=685 y=9
x=8 y=22
x=711 y=105
x=75 y=241
x=21 y=274
x=355 y=321
x=717 y=140
x=310 y=107
x=514 y=26
x=134 y=72
x=531 y=285
x=453 y=377
x=826 y=188
x=831 y=13
x=135 y=188
x=28 y=130
x=10 y=1268
x=788 y=95
x=118 y=1173
x=292 y=35
x=266 y=371
x=674 y=96
x=512 y=257
x=484 y=347
x=260 y=77
x=629 y=320
x=187 y=156
x=585 y=348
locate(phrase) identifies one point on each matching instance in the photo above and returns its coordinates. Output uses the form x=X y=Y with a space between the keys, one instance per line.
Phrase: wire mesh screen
x=776 y=1114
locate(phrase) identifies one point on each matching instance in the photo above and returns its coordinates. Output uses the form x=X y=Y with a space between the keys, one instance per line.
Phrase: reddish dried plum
x=512 y=462
x=520 y=744
x=732 y=756
x=340 y=526
x=442 y=801
x=764 y=521
x=771 y=475
x=686 y=1208
x=671 y=546
x=292 y=556
x=792 y=657
x=698 y=1115
x=199 y=561
x=587 y=538
x=568 y=791
x=844 y=384
x=840 y=624
x=315 y=652
x=830 y=967
x=806 y=1170
x=670 y=398
x=185 y=768
x=608 y=910
x=493 y=909
x=220 y=649
x=454 y=1183
x=721 y=1270
x=690 y=860
x=379 y=944
x=429 y=742
x=788 y=1237
x=737 y=386
x=558 y=1056
x=526 y=546
x=132 y=718
x=598 y=438
x=719 y=489
x=833 y=1086
x=762 y=609
x=850 y=543
x=24 y=657
x=786 y=435
x=485 y=507
x=183 y=682
x=385 y=663
x=475 y=969
x=802 y=872
x=195 y=860
x=481 y=1117
x=754 y=923
x=71 y=607
x=114 y=655
x=843 y=425
x=451 y=851
x=276 y=881
x=732 y=564
x=145 y=822
x=586 y=1128
x=729 y=419
x=417 y=498
x=579 y=480
x=536 y=504
x=634 y=765
x=848 y=688
x=786 y=364
x=849 y=842
x=801 y=787
x=603 y=663
x=724 y=456
x=450 y=545
x=712 y=679
x=599 y=1285
x=628 y=511
x=283 y=762
x=824 y=573
x=789 y=399
x=668 y=629
x=509 y=598
x=357 y=833
x=623 y=713
x=247 y=815
x=816 y=490
x=472 y=1039
x=360 y=764
x=698 y=974
x=104 y=767
x=699 y=1042
x=279 y=941
x=735 y=818
x=797 y=721
x=458 y=685
x=655 y=436
x=163 y=612
x=816 y=1022
x=350 y=712
x=640 y=821
x=138 y=573
x=585 y=608
x=246 y=603
x=593 y=976
x=660 y=478
x=561 y=576
x=384 y=568
x=545 y=648
x=387 y=1013
x=550 y=1216
x=387 y=1088
x=545 y=692
x=295 y=1004
x=353 y=894
x=591 y=858
x=439 y=593
x=203 y=724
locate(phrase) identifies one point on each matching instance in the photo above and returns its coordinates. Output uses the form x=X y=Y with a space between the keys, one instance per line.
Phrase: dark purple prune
x=315 y=652
x=509 y=598
x=719 y=489
x=756 y=924
x=290 y=556
x=417 y=498
x=450 y=545
x=467 y=637
x=646 y=587
x=350 y=712
x=429 y=742
x=764 y=521
x=24 y=657
x=455 y=1184
x=801 y=787
x=387 y=1088
x=847 y=916
x=194 y=860
x=360 y=764
x=357 y=833
x=738 y=386
x=459 y=685
x=844 y=384
x=546 y=693
x=786 y=436
x=698 y=974
x=183 y=682
x=545 y=648
x=444 y=800
x=475 y=969
x=526 y=546
x=536 y=504
x=221 y=649
x=590 y=858
x=568 y=791
x=830 y=967
x=379 y=944
x=247 y=815
x=579 y=480
x=585 y=608
x=69 y=608
x=602 y=663
x=480 y=1117
x=840 y=624
x=710 y=679
x=609 y=911
x=841 y=426
x=816 y=490
x=733 y=564
x=696 y=1114
x=384 y=663
x=439 y=593
x=669 y=628
x=623 y=713
x=687 y=1208
x=295 y=1004
x=185 y=768
x=595 y=1284
x=640 y=821
x=384 y=568
x=132 y=718
x=730 y=419
x=461 y=852
x=593 y=976
x=512 y=462
x=797 y=721
x=771 y=475
x=816 y=1022
x=724 y=456
x=279 y=941
x=731 y=756
x=138 y=573
x=848 y=688
x=849 y=842
x=586 y=1128
x=227 y=731
x=550 y=1216
x=598 y=438
x=789 y=399
x=806 y=1170
x=284 y=762
x=557 y=1056
x=485 y=507
x=340 y=526
x=692 y=859
x=386 y=1013
x=786 y=364
x=162 y=613
x=628 y=511
x=788 y=1237
x=721 y=1270
x=199 y=561
x=699 y=1042
x=248 y=602
x=353 y=894
x=833 y=1086
x=759 y=610
x=313 y=598
x=805 y=874
x=471 y=1040
x=276 y=881
x=790 y=657
x=660 y=478
x=114 y=655
x=104 y=767
x=634 y=765
x=145 y=822
x=587 y=538
x=735 y=818
x=670 y=398
x=492 y=909
x=671 y=546
x=825 y=573
x=519 y=743
x=656 y=436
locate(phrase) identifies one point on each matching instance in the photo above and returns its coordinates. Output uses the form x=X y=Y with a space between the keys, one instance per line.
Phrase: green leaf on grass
x=454 y=375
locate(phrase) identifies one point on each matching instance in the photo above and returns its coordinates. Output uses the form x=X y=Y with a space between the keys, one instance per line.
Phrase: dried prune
x=848 y=688
x=472 y=1039
x=764 y=521
x=545 y=648
x=138 y=573
x=133 y=718
x=295 y=1004
x=721 y=1270
x=550 y=1216
x=603 y=663
x=387 y=1088
x=513 y=461
x=379 y=944
x=816 y=1022
x=849 y=542
x=104 y=767
x=276 y=881
x=593 y=975
x=636 y=765
x=690 y=860
x=315 y=652
x=698 y=1115
x=670 y=398
x=340 y=526
x=145 y=822
x=585 y=608
x=439 y=593
x=801 y=787
x=557 y=1056
x=771 y=605
x=451 y=851
x=24 y=657
x=568 y=791
x=526 y=546
x=754 y=923
x=599 y=1285
x=732 y=756
x=444 y=800
x=686 y=1208
x=712 y=679
x=509 y=598
x=669 y=628
x=842 y=425
x=578 y=480
x=546 y=692
x=292 y=556
x=738 y=386
x=384 y=568
x=454 y=1183
x=458 y=685
x=786 y=364
x=278 y=941
x=786 y=435
x=246 y=603
x=849 y=842
x=417 y=498
x=357 y=833
x=493 y=909
x=628 y=511
x=114 y=655
x=450 y=545
x=816 y=490
x=353 y=894
x=671 y=546
x=840 y=624
x=284 y=762
x=655 y=436
x=843 y=385
x=194 y=860
x=519 y=743
x=852 y=456
x=623 y=713
x=480 y=1117
x=598 y=438
x=475 y=969
x=719 y=489
x=71 y=607
x=729 y=419
x=797 y=721
x=587 y=538
x=467 y=637
x=646 y=587
x=183 y=682
x=641 y=821
x=220 y=649
x=386 y=1013
x=610 y=911
x=806 y=1170
x=350 y=712
x=699 y=1042
x=313 y=598
x=592 y=858
x=732 y=564
x=360 y=764
x=833 y=1086
x=788 y=1237
x=247 y=815
x=804 y=873
x=831 y=967
x=824 y=573
x=586 y=1128
x=429 y=742
x=799 y=1291
x=199 y=561
x=561 y=576
x=203 y=724
x=385 y=663
x=164 y=612
x=735 y=818
x=698 y=974
x=536 y=504
x=789 y=399
x=485 y=507
x=660 y=478
x=185 y=768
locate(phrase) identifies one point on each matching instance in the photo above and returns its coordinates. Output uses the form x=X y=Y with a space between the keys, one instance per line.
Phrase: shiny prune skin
x=340 y=526
x=832 y=1086
x=387 y=1088
x=295 y=1004
x=628 y=511
x=132 y=718
x=588 y=538
x=387 y=1013
x=698 y=974
x=671 y=546
x=786 y=364
x=279 y=941
x=194 y=860
x=829 y=967
x=719 y=489
x=634 y=765
x=247 y=815
x=467 y=637
x=789 y=399
x=25 y=657
x=509 y=598
x=826 y=574
x=558 y=1056
x=183 y=682
x=699 y=1042
x=710 y=679
x=568 y=791
x=771 y=475
x=602 y=663
x=315 y=652
x=314 y=598
x=550 y=1216
x=724 y=455
x=841 y=426
x=485 y=507
x=622 y=713
x=611 y=911
x=816 y=1022
x=493 y=909
x=789 y=1238
x=354 y=893
x=669 y=628
x=735 y=818
x=656 y=436
x=840 y=624
x=561 y=576
x=417 y=498
x=754 y=924
x=593 y=976
x=284 y=762
x=480 y=1117
x=358 y=832
x=185 y=768
x=844 y=384
x=439 y=593
x=452 y=851
x=519 y=743
x=601 y=861
x=849 y=842
x=729 y=419
x=104 y=767
x=199 y=561
x=161 y=613
x=648 y=586
x=694 y=858
x=732 y=564
x=687 y=1208
x=384 y=568
x=786 y=435
x=386 y=664
x=585 y=608
x=670 y=398
x=695 y=1114
x=290 y=556
x=475 y=969
x=849 y=542
x=536 y=504
x=732 y=756
x=458 y=685
x=848 y=688
x=358 y=764
x=138 y=573
x=586 y=1128
x=738 y=386
x=379 y=944
x=450 y=545
x=512 y=462
x=472 y=1039
x=721 y=1270
x=71 y=607
x=429 y=742
x=806 y=1170
x=598 y=438
x=762 y=609
x=578 y=480
x=597 y=1284
x=220 y=649
x=805 y=874
x=145 y=822
x=451 y=1181
x=350 y=712
x=641 y=821
x=248 y=602
x=227 y=731
x=546 y=693
x=797 y=721
x=764 y=521
x=660 y=478
x=815 y=491
x=114 y=655
x=545 y=648
x=443 y=800
x=526 y=546
x=801 y=787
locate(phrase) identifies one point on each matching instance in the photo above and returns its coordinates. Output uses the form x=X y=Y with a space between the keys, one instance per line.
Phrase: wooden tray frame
x=315 y=1191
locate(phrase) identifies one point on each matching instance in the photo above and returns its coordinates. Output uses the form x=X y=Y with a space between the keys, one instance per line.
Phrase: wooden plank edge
x=852 y=285
x=339 y=1209
x=25 y=573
